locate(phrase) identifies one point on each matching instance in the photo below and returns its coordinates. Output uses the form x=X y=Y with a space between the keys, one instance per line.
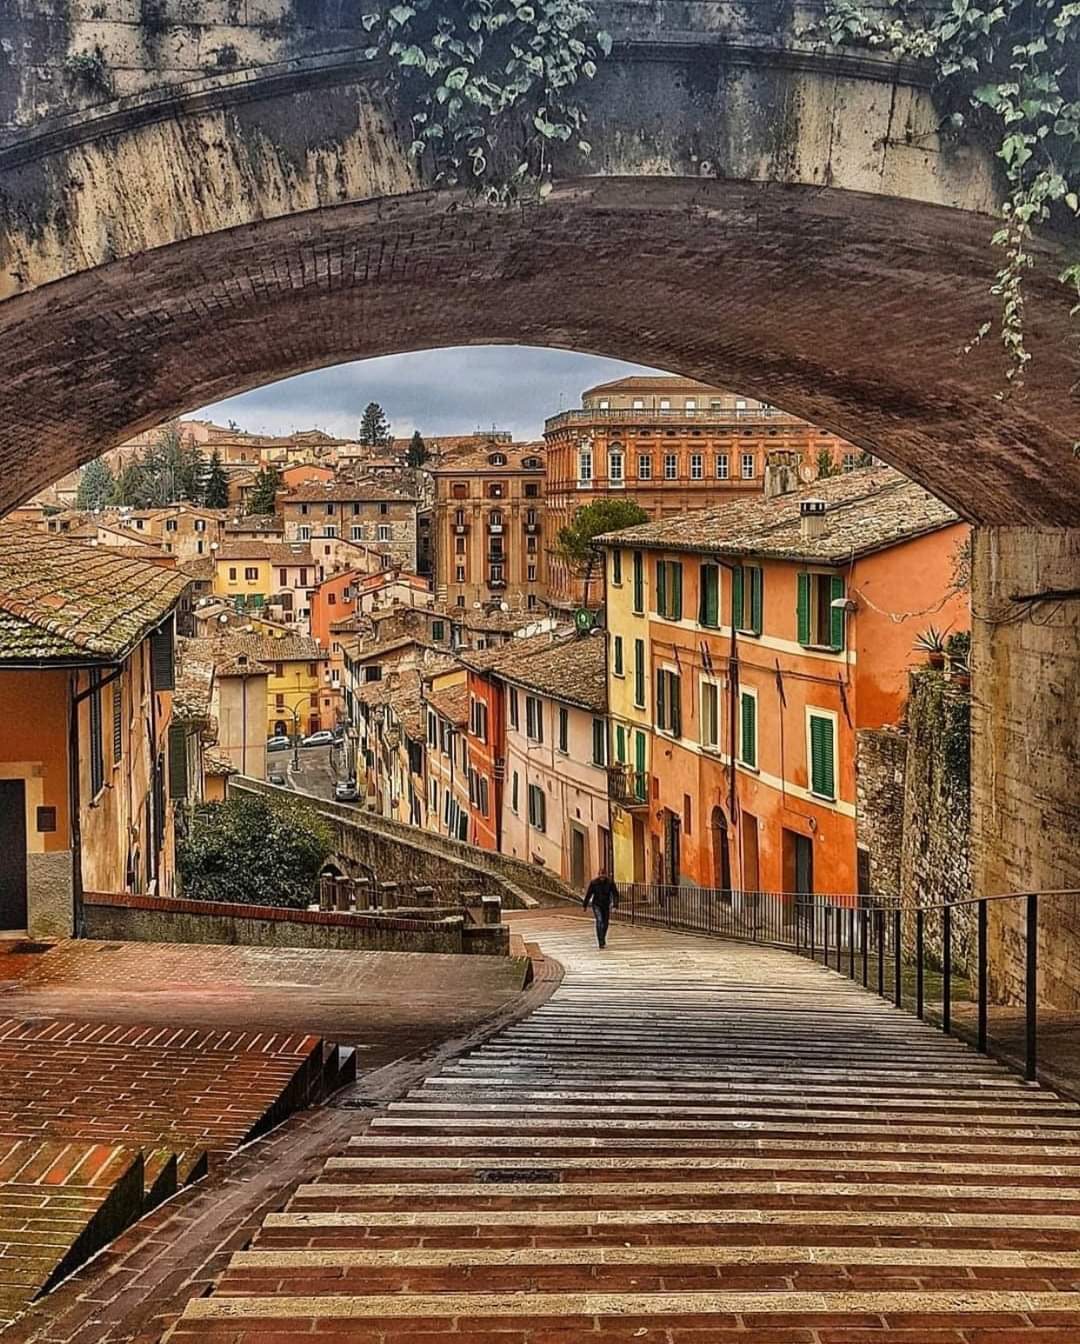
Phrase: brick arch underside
x=850 y=310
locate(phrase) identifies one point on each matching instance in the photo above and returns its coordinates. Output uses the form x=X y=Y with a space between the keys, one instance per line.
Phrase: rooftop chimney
x=812 y=518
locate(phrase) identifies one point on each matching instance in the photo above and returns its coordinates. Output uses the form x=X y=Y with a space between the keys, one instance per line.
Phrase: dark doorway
x=721 y=851
x=798 y=863
x=577 y=858
x=12 y=854
x=672 y=849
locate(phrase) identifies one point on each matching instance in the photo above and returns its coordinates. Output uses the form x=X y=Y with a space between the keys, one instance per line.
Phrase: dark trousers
x=602 y=915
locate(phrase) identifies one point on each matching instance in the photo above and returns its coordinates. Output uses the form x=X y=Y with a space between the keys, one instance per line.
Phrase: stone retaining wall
x=156 y=919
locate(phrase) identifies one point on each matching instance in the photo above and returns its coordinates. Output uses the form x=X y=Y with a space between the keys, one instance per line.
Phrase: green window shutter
x=616 y=567
x=617 y=655
x=822 y=757
x=661 y=721
x=620 y=744
x=178 y=774
x=737 y=597
x=837 y=614
x=639 y=671
x=514 y=802
x=598 y=741
x=639 y=582
x=749 y=730
x=661 y=588
x=639 y=753
x=676 y=705
x=804 y=609
x=709 y=604
x=676 y=611
x=162 y=658
x=757 y=598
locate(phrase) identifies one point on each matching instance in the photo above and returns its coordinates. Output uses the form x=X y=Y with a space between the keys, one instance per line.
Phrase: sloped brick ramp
x=101 y=1122
x=691 y=1143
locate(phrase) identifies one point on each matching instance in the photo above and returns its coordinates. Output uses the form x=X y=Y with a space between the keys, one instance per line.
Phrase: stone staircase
x=690 y=1143
x=100 y=1123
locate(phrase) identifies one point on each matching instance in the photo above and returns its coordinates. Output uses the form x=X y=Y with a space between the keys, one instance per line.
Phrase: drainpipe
x=74 y=828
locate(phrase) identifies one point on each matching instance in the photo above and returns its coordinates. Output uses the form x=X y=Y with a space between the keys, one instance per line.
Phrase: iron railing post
x=1031 y=989
x=982 y=986
x=827 y=931
x=865 y=938
x=920 y=950
x=898 y=960
x=946 y=969
x=813 y=930
x=851 y=943
x=879 y=922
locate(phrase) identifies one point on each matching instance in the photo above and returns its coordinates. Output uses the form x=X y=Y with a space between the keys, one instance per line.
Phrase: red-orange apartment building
x=670 y=444
x=748 y=646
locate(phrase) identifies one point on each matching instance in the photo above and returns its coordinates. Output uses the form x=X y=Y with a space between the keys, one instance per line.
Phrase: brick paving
x=690 y=1143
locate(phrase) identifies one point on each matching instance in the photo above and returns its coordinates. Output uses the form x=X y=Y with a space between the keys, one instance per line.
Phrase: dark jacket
x=602 y=892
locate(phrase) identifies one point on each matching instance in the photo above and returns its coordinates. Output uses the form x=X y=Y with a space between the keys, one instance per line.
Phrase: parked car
x=278 y=744
x=345 y=791
x=276 y=777
x=323 y=739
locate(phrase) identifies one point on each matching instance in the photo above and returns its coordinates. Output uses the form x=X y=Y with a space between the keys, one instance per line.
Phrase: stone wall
x=151 y=919
x=915 y=812
x=1026 y=742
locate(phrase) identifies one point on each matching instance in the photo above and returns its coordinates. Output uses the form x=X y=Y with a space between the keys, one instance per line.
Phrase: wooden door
x=12 y=854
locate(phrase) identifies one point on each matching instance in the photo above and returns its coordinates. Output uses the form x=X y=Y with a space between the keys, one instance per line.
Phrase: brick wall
x=150 y=919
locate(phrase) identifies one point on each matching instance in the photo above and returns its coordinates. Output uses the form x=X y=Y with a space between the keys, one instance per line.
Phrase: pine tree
x=129 y=488
x=826 y=467
x=264 y=497
x=96 y=485
x=216 y=493
x=374 y=427
x=418 y=453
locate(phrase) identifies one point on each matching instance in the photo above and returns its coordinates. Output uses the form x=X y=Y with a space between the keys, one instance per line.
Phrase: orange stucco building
x=670 y=444
x=749 y=644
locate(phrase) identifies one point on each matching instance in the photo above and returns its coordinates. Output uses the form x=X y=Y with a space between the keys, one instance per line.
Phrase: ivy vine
x=491 y=86
x=1008 y=70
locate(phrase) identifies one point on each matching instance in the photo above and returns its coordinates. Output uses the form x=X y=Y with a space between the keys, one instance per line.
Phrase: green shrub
x=254 y=852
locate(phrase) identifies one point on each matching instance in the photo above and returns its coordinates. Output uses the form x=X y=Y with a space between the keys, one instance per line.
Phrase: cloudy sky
x=436 y=391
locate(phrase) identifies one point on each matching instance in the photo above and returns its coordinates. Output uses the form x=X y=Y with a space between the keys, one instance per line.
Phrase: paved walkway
x=690 y=1143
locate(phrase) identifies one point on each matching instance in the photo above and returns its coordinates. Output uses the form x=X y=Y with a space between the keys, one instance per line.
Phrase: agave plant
x=932 y=642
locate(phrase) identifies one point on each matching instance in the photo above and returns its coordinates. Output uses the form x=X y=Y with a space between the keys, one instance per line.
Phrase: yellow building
x=629 y=660
x=298 y=680
x=87 y=675
x=242 y=570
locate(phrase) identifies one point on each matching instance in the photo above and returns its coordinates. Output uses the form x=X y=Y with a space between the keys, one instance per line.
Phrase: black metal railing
x=933 y=959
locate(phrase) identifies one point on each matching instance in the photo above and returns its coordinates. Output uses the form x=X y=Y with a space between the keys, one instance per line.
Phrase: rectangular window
x=329 y=510
x=599 y=742
x=748 y=466
x=232 y=574
x=671 y=466
x=250 y=574
x=669 y=590
x=709 y=597
x=644 y=467
x=438 y=631
x=513 y=699
x=530 y=574
x=747 y=599
x=615 y=468
x=617 y=656
x=483 y=796
x=584 y=466
x=386 y=532
x=97 y=746
x=534 y=719
x=710 y=715
x=537 y=808
x=821 y=733
x=459 y=577
x=639 y=673
x=330 y=530
x=514 y=793
x=620 y=744
x=616 y=567
x=564 y=729
x=721 y=466
x=669 y=702
x=303 y=534
x=432 y=730
x=821 y=624
x=639 y=583
x=697 y=467
x=356 y=532
x=748 y=729
x=478 y=720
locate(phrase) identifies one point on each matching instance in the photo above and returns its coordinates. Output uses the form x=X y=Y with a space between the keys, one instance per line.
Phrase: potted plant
x=932 y=642
x=958 y=649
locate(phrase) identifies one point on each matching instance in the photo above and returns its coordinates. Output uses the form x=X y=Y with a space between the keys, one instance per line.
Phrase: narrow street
x=691 y=1142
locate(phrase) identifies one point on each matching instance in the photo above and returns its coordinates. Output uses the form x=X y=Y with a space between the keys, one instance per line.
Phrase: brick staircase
x=99 y=1123
x=691 y=1143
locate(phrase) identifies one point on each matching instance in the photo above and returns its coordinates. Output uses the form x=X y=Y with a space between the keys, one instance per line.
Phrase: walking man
x=601 y=895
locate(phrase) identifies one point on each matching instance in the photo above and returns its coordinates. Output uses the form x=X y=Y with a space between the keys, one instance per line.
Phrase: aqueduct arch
x=755 y=213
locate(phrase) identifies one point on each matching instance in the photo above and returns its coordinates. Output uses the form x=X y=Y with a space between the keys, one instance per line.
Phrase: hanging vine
x=491 y=86
x=1008 y=70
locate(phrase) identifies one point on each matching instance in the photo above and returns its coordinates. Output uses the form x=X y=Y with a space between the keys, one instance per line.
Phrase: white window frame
x=386 y=532
x=671 y=466
x=357 y=532
x=697 y=466
x=748 y=466
x=584 y=467
x=303 y=532
x=616 y=476
x=644 y=466
x=723 y=467
x=713 y=684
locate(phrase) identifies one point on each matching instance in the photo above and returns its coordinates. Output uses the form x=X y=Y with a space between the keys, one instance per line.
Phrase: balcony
x=460 y=529
x=628 y=788
x=701 y=415
x=496 y=583
x=532 y=529
x=496 y=529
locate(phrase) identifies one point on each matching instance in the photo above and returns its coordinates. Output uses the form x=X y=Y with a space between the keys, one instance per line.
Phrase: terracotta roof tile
x=452 y=702
x=572 y=670
x=867 y=510
x=61 y=600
